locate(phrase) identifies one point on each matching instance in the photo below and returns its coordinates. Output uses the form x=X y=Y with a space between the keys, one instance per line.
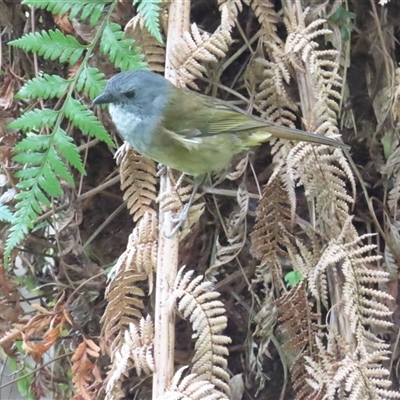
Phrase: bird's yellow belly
x=195 y=161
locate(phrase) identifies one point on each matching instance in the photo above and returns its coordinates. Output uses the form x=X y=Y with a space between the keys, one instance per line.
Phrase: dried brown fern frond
x=265 y=320
x=124 y=305
x=297 y=323
x=136 y=351
x=321 y=68
x=138 y=180
x=358 y=309
x=324 y=176
x=153 y=51
x=350 y=375
x=197 y=48
x=272 y=97
x=136 y=264
x=175 y=200
x=363 y=304
x=307 y=258
x=239 y=169
x=318 y=76
x=197 y=303
x=142 y=246
x=141 y=251
x=271 y=239
x=190 y=388
x=236 y=231
x=195 y=212
x=234 y=7
x=297 y=328
x=268 y=18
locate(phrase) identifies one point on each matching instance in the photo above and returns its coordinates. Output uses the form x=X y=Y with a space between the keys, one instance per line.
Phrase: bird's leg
x=180 y=220
x=161 y=170
x=178 y=183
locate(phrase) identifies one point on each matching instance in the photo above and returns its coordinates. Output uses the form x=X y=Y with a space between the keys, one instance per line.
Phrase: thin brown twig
x=36 y=370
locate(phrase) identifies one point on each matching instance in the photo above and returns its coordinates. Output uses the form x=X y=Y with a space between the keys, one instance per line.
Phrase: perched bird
x=184 y=130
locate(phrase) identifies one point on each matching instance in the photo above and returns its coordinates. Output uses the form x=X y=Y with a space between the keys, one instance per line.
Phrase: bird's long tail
x=282 y=132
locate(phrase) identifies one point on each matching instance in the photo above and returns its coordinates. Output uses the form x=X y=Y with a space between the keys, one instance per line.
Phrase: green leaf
x=27 y=176
x=86 y=121
x=150 y=12
x=24 y=387
x=91 y=81
x=24 y=218
x=59 y=167
x=32 y=142
x=121 y=51
x=33 y=158
x=35 y=119
x=51 y=45
x=49 y=182
x=92 y=8
x=33 y=196
x=45 y=87
x=342 y=15
x=343 y=19
x=67 y=149
x=55 y=7
x=292 y=278
x=5 y=214
x=44 y=169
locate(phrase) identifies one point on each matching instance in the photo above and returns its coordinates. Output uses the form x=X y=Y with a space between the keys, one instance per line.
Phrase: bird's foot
x=179 y=220
x=161 y=170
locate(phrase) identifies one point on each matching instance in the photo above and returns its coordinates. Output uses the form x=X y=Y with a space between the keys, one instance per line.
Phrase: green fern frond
x=35 y=119
x=91 y=81
x=86 y=121
x=94 y=8
x=121 y=51
x=5 y=214
x=44 y=87
x=51 y=45
x=43 y=155
x=46 y=158
x=25 y=216
x=67 y=149
x=55 y=7
x=150 y=12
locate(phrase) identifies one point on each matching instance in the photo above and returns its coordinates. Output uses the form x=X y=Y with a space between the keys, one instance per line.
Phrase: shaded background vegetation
x=66 y=258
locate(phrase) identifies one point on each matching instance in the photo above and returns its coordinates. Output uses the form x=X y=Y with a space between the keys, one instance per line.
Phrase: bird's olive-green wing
x=208 y=116
x=204 y=115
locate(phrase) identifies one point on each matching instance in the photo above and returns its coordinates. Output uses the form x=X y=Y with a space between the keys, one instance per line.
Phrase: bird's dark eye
x=131 y=94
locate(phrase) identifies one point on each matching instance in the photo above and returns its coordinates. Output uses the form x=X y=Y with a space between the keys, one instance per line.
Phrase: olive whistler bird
x=185 y=130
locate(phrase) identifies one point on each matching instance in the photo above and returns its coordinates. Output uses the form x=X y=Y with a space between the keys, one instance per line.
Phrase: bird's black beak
x=104 y=98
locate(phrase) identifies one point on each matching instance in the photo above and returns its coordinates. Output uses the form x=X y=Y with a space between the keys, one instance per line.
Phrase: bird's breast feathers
x=125 y=122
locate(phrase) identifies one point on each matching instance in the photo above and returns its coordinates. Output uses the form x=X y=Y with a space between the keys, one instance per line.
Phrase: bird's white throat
x=124 y=121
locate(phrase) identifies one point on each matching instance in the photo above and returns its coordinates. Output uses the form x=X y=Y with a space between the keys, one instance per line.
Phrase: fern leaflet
x=35 y=119
x=51 y=45
x=5 y=214
x=150 y=11
x=86 y=8
x=91 y=81
x=85 y=120
x=120 y=51
x=44 y=87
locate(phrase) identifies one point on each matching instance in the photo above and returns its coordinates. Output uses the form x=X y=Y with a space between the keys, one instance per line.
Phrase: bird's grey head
x=142 y=93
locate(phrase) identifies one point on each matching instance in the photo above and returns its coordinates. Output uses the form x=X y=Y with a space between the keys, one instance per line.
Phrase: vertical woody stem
x=164 y=321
